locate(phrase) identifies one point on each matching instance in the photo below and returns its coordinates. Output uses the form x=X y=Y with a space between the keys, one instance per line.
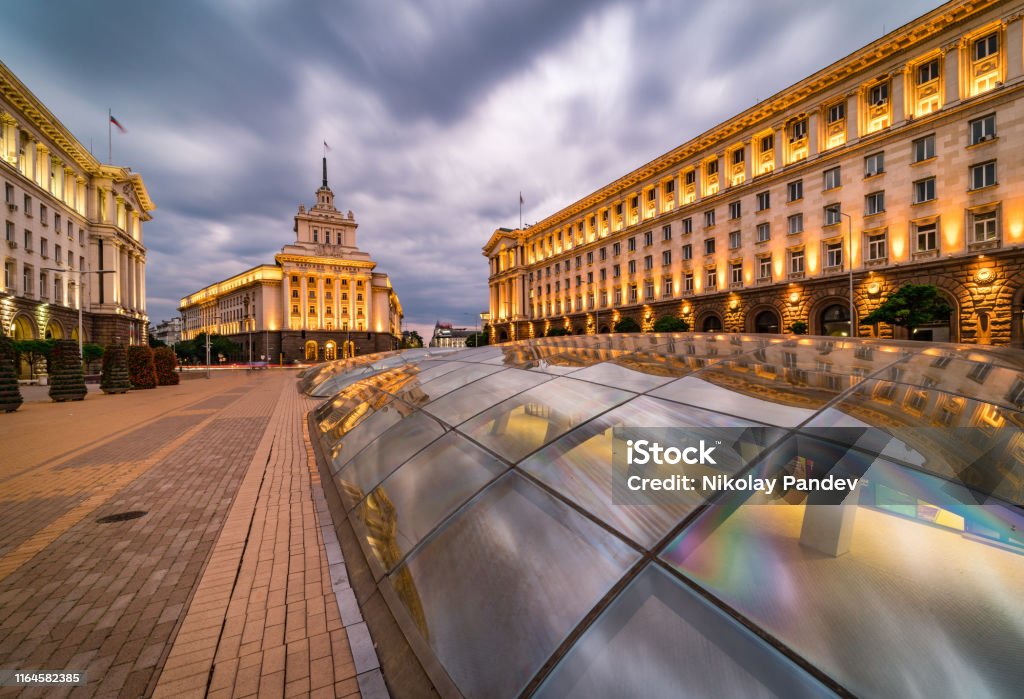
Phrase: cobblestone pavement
x=221 y=589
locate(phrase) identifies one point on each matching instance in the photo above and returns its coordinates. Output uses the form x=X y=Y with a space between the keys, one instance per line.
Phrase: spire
x=325 y=171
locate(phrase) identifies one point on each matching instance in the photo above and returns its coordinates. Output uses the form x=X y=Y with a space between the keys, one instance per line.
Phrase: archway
x=579 y=330
x=330 y=350
x=54 y=331
x=503 y=336
x=604 y=330
x=712 y=323
x=348 y=349
x=23 y=329
x=312 y=350
x=834 y=320
x=767 y=321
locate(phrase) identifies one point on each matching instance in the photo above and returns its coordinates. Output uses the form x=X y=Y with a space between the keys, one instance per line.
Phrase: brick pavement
x=225 y=575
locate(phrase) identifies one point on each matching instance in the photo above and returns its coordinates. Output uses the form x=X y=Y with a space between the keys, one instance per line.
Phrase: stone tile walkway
x=223 y=588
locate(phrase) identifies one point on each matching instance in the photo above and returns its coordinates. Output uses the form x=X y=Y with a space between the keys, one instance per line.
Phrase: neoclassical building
x=899 y=163
x=70 y=222
x=321 y=300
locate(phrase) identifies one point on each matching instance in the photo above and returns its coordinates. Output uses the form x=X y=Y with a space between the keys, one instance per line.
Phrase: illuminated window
x=796 y=261
x=736 y=274
x=688 y=282
x=878 y=246
x=834 y=254
x=984 y=226
x=926 y=236
x=711 y=279
x=927 y=87
x=764 y=268
x=837 y=112
x=984 y=69
x=632 y=293
x=648 y=291
x=833 y=214
x=667 y=288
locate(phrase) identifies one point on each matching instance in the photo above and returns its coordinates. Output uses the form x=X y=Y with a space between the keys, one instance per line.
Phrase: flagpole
x=110 y=141
x=520 y=211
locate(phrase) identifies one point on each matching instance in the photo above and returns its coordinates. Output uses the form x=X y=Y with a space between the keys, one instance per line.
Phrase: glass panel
x=612 y=374
x=367 y=430
x=386 y=453
x=497 y=589
x=660 y=639
x=425 y=490
x=906 y=587
x=528 y=421
x=457 y=406
x=580 y=466
x=743 y=402
x=346 y=410
x=419 y=394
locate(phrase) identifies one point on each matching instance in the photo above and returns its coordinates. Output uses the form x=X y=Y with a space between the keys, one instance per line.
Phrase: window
x=687 y=252
x=734 y=210
x=666 y=233
x=764 y=201
x=618 y=296
x=632 y=293
x=737 y=156
x=667 y=288
x=795 y=224
x=764 y=232
x=983 y=175
x=709 y=218
x=927 y=72
x=590 y=257
x=983 y=129
x=690 y=177
x=711 y=279
x=984 y=227
x=602 y=254
x=924 y=148
x=712 y=167
x=687 y=226
x=834 y=254
x=767 y=143
x=798 y=130
x=832 y=178
x=874 y=164
x=878 y=94
x=878 y=246
x=736 y=273
x=670 y=187
x=28 y=241
x=796 y=262
x=837 y=112
x=924 y=190
x=926 y=236
x=27 y=206
x=764 y=268
x=688 y=282
x=649 y=262
x=666 y=258
x=579 y=261
x=709 y=246
x=43 y=214
x=734 y=240
x=604 y=298
x=648 y=238
x=632 y=266
x=616 y=249
x=874 y=203
x=648 y=291
x=651 y=195
x=9 y=231
x=603 y=274
x=986 y=46
x=795 y=191
x=833 y=214
x=315 y=235
x=631 y=244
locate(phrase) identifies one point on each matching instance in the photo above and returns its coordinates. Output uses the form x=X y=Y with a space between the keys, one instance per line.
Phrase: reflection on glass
x=579 y=466
x=499 y=586
x=367 y=430
x=420 y=394
x=425 y=490
x=386 y=453
x=631 y=378
x=907 y=588
x=660 y=639
x=738 y=398
x=457 y=406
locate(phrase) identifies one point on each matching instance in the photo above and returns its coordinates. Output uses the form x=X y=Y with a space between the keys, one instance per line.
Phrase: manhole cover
x=121 y=517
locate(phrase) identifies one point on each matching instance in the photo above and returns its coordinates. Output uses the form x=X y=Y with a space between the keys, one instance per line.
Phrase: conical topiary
x=166 y=362
x=141 y=370
x=10 y=394
x=114 y=374
x=66 y=379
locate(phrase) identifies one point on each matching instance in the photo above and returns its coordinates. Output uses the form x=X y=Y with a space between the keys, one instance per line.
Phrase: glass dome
x=480 y=485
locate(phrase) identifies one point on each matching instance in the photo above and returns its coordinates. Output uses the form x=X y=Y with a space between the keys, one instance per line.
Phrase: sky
x=438 y=113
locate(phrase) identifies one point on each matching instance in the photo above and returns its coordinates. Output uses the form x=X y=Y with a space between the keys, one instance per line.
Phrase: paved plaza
x=222 y=588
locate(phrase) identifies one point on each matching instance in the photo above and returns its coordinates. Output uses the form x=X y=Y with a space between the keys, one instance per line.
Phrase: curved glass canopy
x=481 y=484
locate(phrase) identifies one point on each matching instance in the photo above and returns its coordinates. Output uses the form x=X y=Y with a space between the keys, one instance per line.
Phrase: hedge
x=66 y=379
x=114 y=375
x=141 y=370
x=166 y=362
x=10 y=394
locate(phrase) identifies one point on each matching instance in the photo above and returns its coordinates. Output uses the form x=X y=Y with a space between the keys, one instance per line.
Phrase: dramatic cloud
x=438 y=112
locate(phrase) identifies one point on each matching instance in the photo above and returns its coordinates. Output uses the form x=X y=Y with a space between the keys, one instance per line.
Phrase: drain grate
x=121 y=517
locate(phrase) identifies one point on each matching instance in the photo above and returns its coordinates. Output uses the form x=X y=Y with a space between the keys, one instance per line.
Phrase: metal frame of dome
x=478 y=487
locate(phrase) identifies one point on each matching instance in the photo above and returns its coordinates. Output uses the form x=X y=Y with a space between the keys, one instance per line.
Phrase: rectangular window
x=986 y=46
x=874 y=164
x=832 y=178
x=833 y=214
x=579 y=261
x=926 y=236
x=737 y=156
x=631 y=244
x=616 y=249
x=764 y=232
x=983 y=175
x=649 y=262
x=648 y=238
x=837 y=112
x=603 y=274
x=927 y=72
x=618 y=296
x=764 y=268
x=736 y=273
x=767 y=143
x=734 y=210
x=795 y=191
x=712 y=167
x=648 y=291
x=604 y=298
x=734 y=240
x=590 y=257
x=984 y=227
x=874 y=203
x=709 y=218
x=632 y=293
x=666 y=258
x=666 y=233
x=632 y=266
x=603 y=254
x=878 y=246
x=982 y=129
x=667 y=289
x=690 y=177
x=9 y=231
x=798 y=130
x=878 y=94
x=834 y=254
x=924 y=148
x=8 y=193
x=764 y=201
x=796 y=262
x=687 y=226
x=687 y=252
x=795 y=224
x=688 y=282
x=670 y=187
x=709 y=246
x=711 y=279
x=924 y=190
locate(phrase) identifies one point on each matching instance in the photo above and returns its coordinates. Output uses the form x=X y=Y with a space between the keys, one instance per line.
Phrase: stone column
x=286 y=280
x=351 y=303
x=1014 y=47
x=748 y=166
x=304 y=301
x=780 y=147
x=951 y=69
x=852 y=116
x=898 y=99
x=813 y=137
x=320 y=301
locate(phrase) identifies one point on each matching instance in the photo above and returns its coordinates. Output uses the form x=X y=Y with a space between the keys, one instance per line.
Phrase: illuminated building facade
x=321 y=300
x=447 y=336
x=69 y=221
x=899 y=161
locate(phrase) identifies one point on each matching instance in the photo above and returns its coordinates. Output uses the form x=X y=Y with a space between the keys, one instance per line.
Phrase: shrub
x=141 y=370
x=556 y=332
x=798 y=327
x=166 y=362
x=670 y=324
x=10 y=394
x=114 y=375
x=66 y=379
x=627 y=325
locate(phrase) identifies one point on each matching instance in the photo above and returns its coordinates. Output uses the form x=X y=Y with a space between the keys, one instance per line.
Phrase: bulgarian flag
x=115 y=122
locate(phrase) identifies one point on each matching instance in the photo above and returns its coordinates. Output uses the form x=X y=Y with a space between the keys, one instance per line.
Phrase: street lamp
x=216 y=320
x=849 y=254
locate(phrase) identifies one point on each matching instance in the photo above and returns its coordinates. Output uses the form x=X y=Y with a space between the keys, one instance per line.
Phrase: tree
x=627 y=325
x=195 y=350
x=479 y=339
x=156 y=342
x=66 y=379
x=91 y=353
x=910 y=307
x=798 y=327
x=35 y=350
x=10 y=393
x=412 y=339
x=556 y=332
x=670 y=324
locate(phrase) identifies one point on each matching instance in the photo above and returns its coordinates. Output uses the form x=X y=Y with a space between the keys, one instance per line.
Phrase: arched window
x=312 y=350
x=711 y=324
x=766 y=321
x=835 y=320
x=330 y=351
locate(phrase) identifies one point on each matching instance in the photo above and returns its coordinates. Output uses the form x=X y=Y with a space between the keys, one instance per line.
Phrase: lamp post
x=485 y=317
x=849 y=254
x=216 y=320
